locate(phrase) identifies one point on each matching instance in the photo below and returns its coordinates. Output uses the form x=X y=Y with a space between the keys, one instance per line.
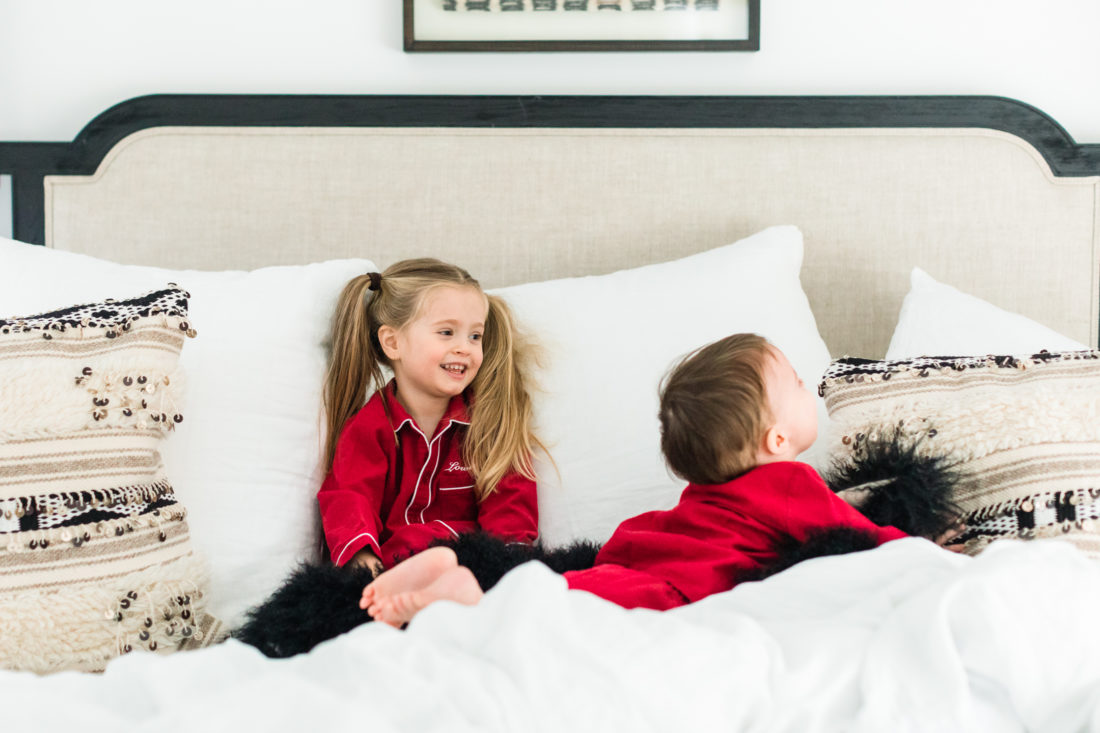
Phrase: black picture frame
x=749 y=41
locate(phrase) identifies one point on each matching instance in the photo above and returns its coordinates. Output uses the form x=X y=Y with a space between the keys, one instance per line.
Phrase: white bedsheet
x=905 y=637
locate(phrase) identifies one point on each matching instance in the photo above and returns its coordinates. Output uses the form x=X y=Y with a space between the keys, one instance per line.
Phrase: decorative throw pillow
x=95 y=555
x=1023 y=432
x=246 y=460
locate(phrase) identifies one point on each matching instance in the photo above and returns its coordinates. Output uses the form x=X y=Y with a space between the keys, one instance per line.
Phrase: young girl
x=445 y=447
x=442 y=453
x=734 y=415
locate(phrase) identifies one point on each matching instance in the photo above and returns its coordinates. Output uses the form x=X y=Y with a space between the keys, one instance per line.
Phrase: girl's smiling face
x=437 y=354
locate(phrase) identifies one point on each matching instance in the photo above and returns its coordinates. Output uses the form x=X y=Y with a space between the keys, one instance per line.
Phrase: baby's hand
x=947 y=540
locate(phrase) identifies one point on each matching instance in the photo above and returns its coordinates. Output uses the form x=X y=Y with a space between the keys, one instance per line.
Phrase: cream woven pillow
x=95 y=554
x=1024 y=432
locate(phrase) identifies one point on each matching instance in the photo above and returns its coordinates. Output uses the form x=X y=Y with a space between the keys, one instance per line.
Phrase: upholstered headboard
x=985 y=193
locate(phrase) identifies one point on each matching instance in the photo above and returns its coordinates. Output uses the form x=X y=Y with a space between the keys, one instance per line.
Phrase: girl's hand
x=366 y=558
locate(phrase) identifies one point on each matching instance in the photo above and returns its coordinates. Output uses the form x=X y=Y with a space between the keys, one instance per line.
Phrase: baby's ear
x=775 y=441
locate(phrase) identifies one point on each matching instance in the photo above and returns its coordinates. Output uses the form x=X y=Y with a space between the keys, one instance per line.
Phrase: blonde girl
x=443 y=448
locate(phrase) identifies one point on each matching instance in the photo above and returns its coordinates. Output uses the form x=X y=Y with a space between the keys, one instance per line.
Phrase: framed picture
x=582 y=25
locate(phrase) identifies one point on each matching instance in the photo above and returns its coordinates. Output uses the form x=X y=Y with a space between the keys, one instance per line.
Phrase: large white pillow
x=245 y=460
x=609 y=340
x=939 y=320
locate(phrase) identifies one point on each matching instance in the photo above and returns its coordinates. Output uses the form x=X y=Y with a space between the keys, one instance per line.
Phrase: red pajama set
x=395 y=490
x=665 y=559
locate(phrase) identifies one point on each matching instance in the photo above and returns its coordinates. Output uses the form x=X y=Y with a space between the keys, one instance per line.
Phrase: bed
x=624 y=231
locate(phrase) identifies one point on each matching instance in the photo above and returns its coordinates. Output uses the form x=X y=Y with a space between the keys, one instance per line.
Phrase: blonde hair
x=500 y=438
x=714 y=409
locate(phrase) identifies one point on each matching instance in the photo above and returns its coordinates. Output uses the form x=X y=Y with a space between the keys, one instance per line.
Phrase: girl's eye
x=475 y=336
x=445 y=332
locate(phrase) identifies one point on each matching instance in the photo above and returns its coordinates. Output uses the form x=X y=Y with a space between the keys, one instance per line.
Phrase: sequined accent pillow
x=1023 y=430
x=95 y=554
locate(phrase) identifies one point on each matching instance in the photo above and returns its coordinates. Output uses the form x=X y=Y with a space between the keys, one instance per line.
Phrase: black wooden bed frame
x=29 y=162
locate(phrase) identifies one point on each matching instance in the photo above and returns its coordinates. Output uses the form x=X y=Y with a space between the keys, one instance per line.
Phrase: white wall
x=64 y=61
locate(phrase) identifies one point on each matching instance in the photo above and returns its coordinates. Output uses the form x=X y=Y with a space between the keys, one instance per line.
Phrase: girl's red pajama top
x=395 y=490
x=665 y=559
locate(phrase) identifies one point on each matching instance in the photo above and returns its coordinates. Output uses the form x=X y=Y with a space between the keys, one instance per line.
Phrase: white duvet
x=905 y=637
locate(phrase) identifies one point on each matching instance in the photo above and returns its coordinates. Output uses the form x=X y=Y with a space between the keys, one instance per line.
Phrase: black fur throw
x=320 y=601
x=315 y=603
x=576 y=556
x=489 y=557
x=899 y=486
x=833 y=541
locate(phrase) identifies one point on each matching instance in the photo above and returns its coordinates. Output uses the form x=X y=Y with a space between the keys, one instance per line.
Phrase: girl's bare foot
x=412 y=574
x=456 y=584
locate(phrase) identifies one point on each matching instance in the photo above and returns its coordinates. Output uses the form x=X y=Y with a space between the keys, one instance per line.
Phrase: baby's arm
x=812 y=506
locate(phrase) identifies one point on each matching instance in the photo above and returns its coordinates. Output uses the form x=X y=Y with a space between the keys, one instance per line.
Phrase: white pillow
x=245 y=460
x=608 y=342
x=938 y=320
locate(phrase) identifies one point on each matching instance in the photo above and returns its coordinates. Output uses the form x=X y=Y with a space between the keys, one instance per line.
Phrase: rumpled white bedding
x=907 y=637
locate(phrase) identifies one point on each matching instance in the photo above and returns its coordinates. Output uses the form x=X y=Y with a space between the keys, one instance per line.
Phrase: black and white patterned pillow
x=1023 y=430
x=95 y=552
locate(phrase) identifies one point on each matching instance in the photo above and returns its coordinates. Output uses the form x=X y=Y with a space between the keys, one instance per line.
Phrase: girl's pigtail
x=353 y=368
x=500 y=439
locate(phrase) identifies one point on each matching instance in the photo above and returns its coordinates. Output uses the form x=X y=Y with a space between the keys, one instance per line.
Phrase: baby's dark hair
x=714 y=409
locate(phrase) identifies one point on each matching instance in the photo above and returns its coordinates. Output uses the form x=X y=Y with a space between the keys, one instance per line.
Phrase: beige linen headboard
x=557 y=187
